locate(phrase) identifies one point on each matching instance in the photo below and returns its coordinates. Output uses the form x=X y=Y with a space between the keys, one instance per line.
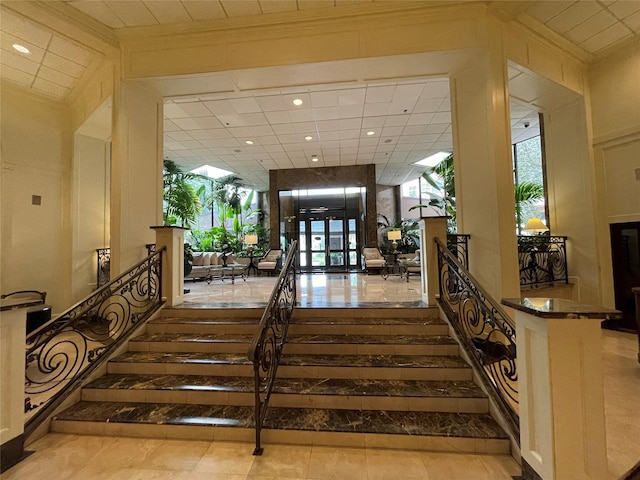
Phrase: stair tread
x=398 y=361
x=464 y=425
x=204 y=321
x=372 y=339
x=195 y=337
x=367 y=321
x=301 y=386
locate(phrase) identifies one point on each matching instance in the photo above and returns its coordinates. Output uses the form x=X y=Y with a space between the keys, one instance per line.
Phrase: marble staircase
x=389 y=377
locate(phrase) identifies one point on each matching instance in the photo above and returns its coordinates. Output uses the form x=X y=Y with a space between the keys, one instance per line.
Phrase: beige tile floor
x=73 y=457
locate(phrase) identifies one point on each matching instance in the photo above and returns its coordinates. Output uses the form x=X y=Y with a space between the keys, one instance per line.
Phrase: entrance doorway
x=625 y=255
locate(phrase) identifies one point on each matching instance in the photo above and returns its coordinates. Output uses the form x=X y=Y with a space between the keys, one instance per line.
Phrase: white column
x=172 y=288
x=562 y=425
x=430 y=229
x=12 y=340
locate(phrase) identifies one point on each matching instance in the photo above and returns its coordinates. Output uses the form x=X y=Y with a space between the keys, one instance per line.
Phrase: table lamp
x=394 y=235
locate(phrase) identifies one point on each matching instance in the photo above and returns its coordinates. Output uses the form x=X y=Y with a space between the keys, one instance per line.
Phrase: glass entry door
x=327 y=244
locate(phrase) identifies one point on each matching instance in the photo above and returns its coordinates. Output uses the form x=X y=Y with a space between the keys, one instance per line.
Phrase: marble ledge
x=559 y=308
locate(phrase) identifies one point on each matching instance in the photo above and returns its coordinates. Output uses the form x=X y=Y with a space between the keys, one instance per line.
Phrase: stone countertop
x=559 y=308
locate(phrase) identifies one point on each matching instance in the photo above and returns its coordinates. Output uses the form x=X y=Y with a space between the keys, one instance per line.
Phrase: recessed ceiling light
x=314 y=159
x=297 y=101
x=371 y=132
x=308 y=137
x=433 y=160
x=249 y=142
x=21 y=48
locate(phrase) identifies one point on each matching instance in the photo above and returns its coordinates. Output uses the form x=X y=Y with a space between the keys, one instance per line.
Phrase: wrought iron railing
x=543 y=260
x=485 y=332
x=266 y=347
x=458 y=244
x=64 y=351
x=104 y=266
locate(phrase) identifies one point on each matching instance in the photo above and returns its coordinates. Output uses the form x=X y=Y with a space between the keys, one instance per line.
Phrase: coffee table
x=225 y=272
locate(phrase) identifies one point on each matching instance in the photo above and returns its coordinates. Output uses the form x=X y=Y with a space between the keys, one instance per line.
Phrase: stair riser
x=285 y=371
x=346 y=329
x=293 y=437
x=221 y=313
x=202 y=329
x=189 y=347
x=350 y=313
x=368 y=349
x=464 y=405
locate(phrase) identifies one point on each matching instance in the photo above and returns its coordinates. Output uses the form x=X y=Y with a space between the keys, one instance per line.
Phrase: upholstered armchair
x=372 y=259
x=271 y=262
x=413 y=264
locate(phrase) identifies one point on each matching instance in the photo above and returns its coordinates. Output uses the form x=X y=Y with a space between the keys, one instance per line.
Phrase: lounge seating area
x=203 y=261
x=271 y=262
x=372 y=260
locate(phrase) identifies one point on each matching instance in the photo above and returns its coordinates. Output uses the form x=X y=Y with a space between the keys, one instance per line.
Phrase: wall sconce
x=394 y=235
x=290 y=218
x=534 y=226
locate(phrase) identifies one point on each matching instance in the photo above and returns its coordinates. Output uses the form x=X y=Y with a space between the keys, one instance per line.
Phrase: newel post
x=430 y=229
x=172 y=288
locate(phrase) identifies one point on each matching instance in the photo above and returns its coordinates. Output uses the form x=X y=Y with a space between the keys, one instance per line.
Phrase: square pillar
x=562 y=423
x=430 y=229
x=172 y=288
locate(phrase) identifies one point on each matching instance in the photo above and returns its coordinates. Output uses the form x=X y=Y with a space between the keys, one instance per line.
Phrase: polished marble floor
x=73 y=457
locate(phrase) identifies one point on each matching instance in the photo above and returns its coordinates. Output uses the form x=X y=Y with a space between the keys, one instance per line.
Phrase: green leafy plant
x=181 y=204
x=410 y=234
x=526 y=193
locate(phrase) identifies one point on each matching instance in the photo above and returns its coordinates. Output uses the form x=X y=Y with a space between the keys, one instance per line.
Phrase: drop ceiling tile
x=441 y=117
x=622 y=9
x=435 y=89
x=173 y=146
x=369 y=141
x=100 y=11
x=275 y=118
x=365 y=149
x=70 y=50
x=291 y=139
x=220 y=107
x=594 y=25
x=187 y=123
x=133 y=13
x=63 y=65
x=348 y=143
x=430 y=137
x=19 y=62
x=293 y=94
x=245 y=105
x=391 y=131
x=305 y=115
x=201 y=152
x=426 y=105
x=606 y=38
x=268 y=140
x=350 y=124
x=179 y=136
x=278 y=6
x=373 y=122
x=167 y=12
x=275 y=148
x=324 y=99
x=436 y=128
x=304 y=128
x=23 y=29
x=271 y=103
x=633 y=22
x=229 y=142
x=409 y=139
x=6 y=43
x=396 y=121
x=243 y=133
x=210 y=123
x=376 y=109
x=414 y=130
x=420 y=119
x=284 y=129
x=383 y=94
x=194 y=109
x=404 y=147
x=352 y=96
x=348 y=134
x=200 y=134
x=17 y=76
x=572 y=16
x=233 y=8
x=545 y=11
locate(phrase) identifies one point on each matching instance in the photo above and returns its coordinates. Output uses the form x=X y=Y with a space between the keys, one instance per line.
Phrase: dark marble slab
x=373 y=339
x=404 y=361
x=183 y=357
x=366 y=321
x=559 y=308
x=297 y=386
x=464 y=425
x=205 y=321
x=194 y=337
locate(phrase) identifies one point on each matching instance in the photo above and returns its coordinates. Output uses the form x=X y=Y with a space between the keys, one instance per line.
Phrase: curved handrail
x=64 y=351
x=268 y=342
x=485 y=331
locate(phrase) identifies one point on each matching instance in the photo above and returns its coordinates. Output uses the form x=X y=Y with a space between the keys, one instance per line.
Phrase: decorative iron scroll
x=267 y=344
x=104 y=266
x=485 y=331
x=458 y=244
x=151 y=248
x=543 y=260
x=64 y=351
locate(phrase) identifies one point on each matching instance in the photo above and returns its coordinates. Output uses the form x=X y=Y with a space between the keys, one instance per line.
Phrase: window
x=528 y=167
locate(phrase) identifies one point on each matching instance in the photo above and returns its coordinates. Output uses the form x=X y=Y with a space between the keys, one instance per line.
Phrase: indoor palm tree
x=181 y=203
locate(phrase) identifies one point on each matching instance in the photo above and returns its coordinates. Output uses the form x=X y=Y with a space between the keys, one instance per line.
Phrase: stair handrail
x=268 y=342
x=486 y=333
x=63 y=352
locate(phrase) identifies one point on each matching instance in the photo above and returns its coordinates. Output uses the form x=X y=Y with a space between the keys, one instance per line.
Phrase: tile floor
x=62 y=456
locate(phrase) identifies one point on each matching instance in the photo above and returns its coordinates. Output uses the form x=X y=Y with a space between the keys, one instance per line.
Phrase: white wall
x=36 y=160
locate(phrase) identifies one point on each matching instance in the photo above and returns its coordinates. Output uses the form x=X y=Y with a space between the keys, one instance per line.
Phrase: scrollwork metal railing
x=458 y=244
x=485 y=332
x=543 y=260
x=64 y=351
x=104 y=266
x=268 y=342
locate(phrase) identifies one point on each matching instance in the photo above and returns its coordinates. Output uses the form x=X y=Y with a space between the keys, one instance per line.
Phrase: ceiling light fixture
x=371 y=132
x=249 y=142
x=21 y=48
x=314 y=159
x=433 y=160
x=308 y=137
x=297 y=102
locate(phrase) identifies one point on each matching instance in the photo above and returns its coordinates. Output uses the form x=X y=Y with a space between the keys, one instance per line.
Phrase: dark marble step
x=298 y=386
x=442 y=424
x=371 y=339
x=367 y=321
x=380 y=361
x=204 y=326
